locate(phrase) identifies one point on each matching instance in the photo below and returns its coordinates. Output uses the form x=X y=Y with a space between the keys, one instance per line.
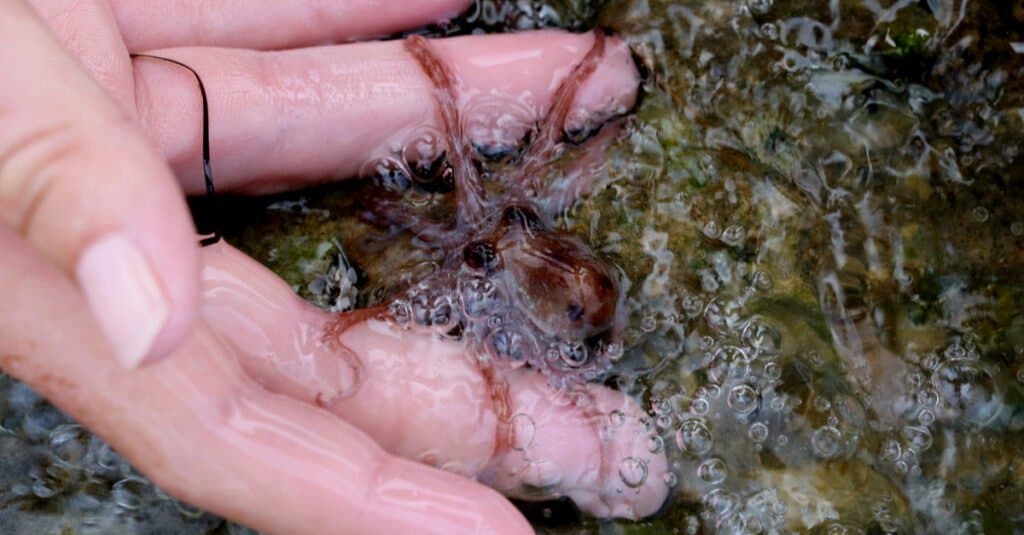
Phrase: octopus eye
x=480 y=255
x=575 y=312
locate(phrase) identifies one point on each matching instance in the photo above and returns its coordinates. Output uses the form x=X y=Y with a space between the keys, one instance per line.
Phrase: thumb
x=79 y=182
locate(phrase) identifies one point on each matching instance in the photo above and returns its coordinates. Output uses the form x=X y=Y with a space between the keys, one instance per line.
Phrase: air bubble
x=763 y=339
x=742 y=399
x=127 y=493
x=478 y=296
x=728 y=365
x=389 y=173
x=712 y=471
x=711 y=230
x=772 y=371
x=969 y=391
x=918 y=438
x=694 y=437
x=692 y=305
x=507 y=344
x=69 y=443
x=655 y=444
x=927 y=397
x=442 y=313
x=733 y=235
x=421 y=308
x=40 y=420
x=521 y=432
x=400 y=312
x=616 y=418
x=573 y=354
x=614 y=351
x=758 y=432
x=423 y=154
x=826 y=441
x=633 y=472
x=50 y=481
x=719 y=503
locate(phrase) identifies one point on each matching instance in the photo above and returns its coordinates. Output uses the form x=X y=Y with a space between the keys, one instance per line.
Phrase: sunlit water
x=819 y=211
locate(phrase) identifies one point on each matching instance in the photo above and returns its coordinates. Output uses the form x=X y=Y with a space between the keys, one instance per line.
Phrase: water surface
x=819 y=207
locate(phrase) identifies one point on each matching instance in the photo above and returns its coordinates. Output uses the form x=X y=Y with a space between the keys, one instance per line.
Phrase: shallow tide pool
x=819 y=210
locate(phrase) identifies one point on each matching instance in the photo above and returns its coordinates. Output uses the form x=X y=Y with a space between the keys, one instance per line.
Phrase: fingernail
x=124 y=295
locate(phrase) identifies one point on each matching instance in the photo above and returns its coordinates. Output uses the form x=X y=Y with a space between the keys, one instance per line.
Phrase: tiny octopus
x=509 y=284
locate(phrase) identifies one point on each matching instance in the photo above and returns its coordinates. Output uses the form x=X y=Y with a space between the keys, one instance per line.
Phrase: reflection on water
x=820 y=211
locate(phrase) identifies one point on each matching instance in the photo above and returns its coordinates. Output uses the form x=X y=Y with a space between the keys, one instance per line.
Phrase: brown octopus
x=514 y=288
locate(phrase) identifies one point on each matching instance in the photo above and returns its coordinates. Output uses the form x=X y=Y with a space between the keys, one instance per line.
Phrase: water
x=818 y=208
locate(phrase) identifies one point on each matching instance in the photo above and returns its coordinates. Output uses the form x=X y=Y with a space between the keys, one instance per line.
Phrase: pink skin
x=271 y=111
x=224 y=422
x=422 y=397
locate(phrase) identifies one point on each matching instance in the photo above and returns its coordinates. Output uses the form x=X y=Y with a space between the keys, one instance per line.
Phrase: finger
x=205 y=433
x=87 y=29
x=270 y=24
x=445 y=417
x=424 y=398
x=79 y=181
x=595 y=449
x=284 y=119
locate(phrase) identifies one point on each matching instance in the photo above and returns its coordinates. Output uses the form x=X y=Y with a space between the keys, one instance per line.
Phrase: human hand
x=76 y=172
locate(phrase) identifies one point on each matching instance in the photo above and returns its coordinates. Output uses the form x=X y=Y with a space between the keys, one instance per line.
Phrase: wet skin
x=520 y=290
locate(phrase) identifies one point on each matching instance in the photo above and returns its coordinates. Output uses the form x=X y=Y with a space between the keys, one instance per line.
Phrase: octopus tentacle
x=469 y=189
x=551 y=127
x=383 y=213
x=332 y=337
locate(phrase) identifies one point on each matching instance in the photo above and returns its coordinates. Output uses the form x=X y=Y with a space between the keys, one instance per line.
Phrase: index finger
x=281 y=120
x=269 y=24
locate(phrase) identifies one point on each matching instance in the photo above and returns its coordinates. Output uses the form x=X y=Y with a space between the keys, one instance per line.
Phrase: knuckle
x=32 y=164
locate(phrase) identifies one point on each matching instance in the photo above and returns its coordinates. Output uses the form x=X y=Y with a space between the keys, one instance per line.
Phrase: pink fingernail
x=124 y=295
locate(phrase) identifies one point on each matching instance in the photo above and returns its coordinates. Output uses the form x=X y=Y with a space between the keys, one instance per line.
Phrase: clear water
x=820 y=209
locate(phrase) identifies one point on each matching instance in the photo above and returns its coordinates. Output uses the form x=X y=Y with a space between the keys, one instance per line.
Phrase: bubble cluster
x=54 y=464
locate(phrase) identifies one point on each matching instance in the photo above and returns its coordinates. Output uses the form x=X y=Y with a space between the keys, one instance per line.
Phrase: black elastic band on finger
x=206 y=219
